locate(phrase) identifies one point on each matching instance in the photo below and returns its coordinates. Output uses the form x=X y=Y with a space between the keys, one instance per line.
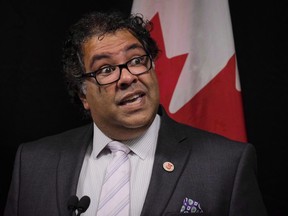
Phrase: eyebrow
x=108 y=55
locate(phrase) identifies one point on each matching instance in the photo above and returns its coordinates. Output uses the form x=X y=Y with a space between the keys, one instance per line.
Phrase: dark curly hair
x=99 y=24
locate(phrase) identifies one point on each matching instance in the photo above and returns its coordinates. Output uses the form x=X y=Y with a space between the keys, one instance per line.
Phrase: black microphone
x=72 y=204
x=83 y=205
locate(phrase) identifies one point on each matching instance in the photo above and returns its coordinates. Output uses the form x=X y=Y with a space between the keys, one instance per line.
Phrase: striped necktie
x=115 y=198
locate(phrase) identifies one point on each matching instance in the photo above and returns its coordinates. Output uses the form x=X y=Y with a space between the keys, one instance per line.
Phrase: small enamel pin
x=168 y=166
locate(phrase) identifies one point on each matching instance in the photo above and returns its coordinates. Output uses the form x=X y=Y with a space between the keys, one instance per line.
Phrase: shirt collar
x=140 y=146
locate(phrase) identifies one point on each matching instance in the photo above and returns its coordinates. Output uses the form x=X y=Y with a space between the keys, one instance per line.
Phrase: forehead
x=111 y=43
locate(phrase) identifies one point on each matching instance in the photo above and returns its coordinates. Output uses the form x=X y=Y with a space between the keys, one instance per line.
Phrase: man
x=109 y=64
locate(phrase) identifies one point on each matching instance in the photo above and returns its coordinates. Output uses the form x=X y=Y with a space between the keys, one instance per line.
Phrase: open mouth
x=133 y=99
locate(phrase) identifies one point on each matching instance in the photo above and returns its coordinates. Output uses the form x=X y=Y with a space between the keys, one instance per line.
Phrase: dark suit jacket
x=218 y=173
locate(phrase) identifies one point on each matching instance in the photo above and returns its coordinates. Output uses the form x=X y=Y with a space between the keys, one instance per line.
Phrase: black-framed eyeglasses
x=112 y=73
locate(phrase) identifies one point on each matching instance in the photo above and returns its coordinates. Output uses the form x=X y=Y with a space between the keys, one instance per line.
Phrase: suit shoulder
x=59 y=140
x=201 y=138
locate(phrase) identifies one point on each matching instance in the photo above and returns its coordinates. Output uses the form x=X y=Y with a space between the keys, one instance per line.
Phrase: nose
x=126 y=78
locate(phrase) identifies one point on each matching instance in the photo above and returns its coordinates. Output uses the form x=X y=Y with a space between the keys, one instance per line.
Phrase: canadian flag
x=197 y=68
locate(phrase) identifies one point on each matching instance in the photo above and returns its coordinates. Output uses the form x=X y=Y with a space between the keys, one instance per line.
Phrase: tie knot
x=115 y=146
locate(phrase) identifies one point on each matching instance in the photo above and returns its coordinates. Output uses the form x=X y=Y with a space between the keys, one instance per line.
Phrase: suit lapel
x=70 y=163
x=169 y=149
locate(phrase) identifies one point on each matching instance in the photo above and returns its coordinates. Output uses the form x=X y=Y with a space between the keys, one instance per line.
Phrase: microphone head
x=83 y=204
x=72 y=203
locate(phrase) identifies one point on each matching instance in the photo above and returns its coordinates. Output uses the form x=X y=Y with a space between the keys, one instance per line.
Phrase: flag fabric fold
x=197 y=67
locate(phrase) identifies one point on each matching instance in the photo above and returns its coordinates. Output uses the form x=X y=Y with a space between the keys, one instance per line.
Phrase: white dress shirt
x=97 y=158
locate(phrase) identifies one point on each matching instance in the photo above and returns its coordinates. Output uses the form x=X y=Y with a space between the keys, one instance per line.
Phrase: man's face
x=126 y=108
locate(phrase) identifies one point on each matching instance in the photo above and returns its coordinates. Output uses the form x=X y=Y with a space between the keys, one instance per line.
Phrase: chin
x=139 y=122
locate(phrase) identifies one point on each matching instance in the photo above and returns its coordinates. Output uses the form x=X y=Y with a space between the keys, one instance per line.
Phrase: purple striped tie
x=115 y=198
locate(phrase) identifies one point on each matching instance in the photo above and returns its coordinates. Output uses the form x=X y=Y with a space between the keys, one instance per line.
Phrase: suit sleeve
x=246 y=197
x=11 y=208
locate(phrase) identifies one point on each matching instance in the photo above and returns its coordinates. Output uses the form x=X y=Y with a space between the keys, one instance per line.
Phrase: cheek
x=154 y=85
x=98 y=96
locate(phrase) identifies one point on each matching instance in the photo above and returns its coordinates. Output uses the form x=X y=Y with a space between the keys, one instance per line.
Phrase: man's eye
x=138 y=61
x=106 y=70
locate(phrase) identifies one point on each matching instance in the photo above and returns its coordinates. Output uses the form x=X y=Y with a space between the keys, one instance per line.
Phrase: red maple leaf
x=168 y=70
x=217 y=107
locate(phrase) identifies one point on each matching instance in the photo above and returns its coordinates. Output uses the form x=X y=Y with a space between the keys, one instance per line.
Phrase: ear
x=84 y=102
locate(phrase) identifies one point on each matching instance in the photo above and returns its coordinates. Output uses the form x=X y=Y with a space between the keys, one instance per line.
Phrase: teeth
x=133 y=98
x=136 y=96
x=130 y=100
